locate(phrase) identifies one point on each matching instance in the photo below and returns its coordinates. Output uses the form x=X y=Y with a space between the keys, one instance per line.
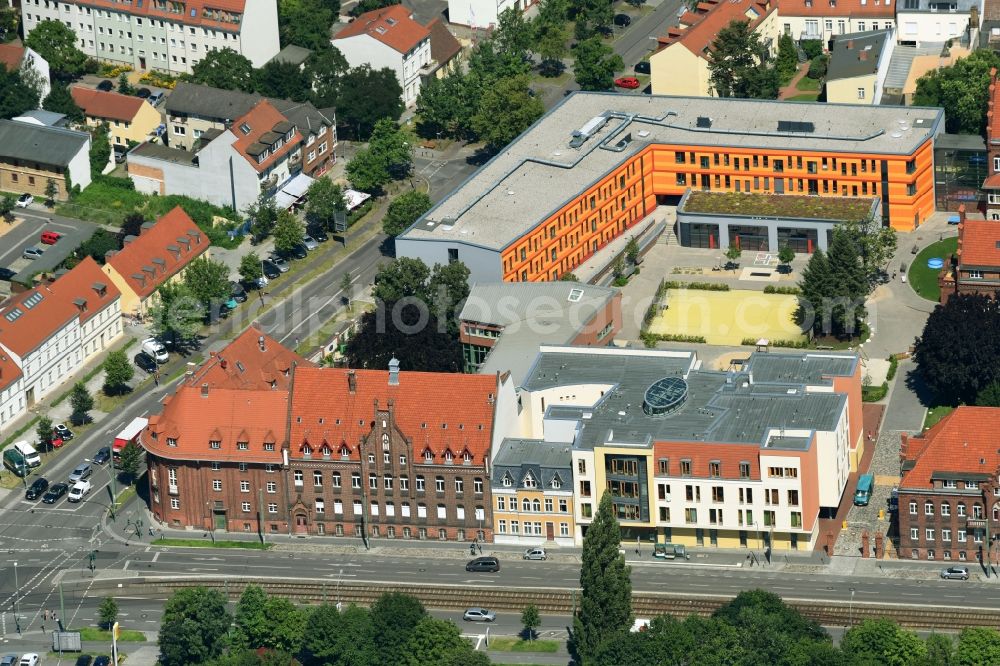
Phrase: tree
x=208 y=281
x=346 y=286
x=59 y=100
x=7 y=205
x=194 y=626
x=404 y=210
x=107 y=612
x=962 y=89
x=324 y=200
x=788 y=58
x=366 y=172
x=738 y=64
x=51 y=192
x=591 y=15
x=337 y=637
x=940 y=650
x=768 y=626
x=882 y=641
x=876 y=244
x=16 y=96
x=389 y=157
x=606 y=598
x=786 y=255
x=505 y=110
x=100 y=149
x=117 y=372
x=394 y=616
x=849 y=282
x=815 y=286
x=124 y=87
x=224 y=68
x=550 y=45
x=44 y=433
x=512 y=35
x=446 y=107
x=8 y=24
x=530 y=620
x=56 y=44
x=437 y=642
x=263 y=215
x=81 y=403
x=286 y=625
x=251 y=269
x=251 y=623
x=366 y=96
x=176 y=314
x=978 y=645
x=410 y=334
x=31 y=77
x=956 y=352
x=989 y=396
x=324 y=70
x=403 y=278
x=569 y=276
x=733 y=253
x=283 y=80
x=99 y=244
x=131 y=458
x=632 y=250
x=595 y=64
x=288 y=232
x=305 y=23
x=818 y=67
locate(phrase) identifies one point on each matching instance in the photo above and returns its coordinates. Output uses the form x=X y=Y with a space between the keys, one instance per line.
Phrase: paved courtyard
x=727 y=317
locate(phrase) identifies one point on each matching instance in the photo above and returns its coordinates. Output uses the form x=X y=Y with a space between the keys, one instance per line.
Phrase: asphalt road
x=640 y=37
x=26 y=234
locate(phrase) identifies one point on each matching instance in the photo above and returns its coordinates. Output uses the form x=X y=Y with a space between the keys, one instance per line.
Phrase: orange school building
x=598 y=164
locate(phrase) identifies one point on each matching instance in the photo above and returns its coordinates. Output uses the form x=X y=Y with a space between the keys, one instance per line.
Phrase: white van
x=30 y=454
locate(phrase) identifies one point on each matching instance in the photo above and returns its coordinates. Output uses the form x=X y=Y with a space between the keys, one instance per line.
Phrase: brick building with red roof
x=948 y=496
x=975 y=266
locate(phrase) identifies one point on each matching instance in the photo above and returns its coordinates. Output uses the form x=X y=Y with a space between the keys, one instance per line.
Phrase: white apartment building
x=483 y=13
x=935 y=21
x=825 y=19
x=167 y=35
x=389 y=38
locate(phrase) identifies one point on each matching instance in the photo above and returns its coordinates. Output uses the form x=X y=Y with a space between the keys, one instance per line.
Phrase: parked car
x=79 y=490
x=155 y=98
x=479 y=615
x=262 y=282
x=103 y=660
x=30 y=659
x=238 y=291
x=155 y=348
x=32 y=253
x=56 y=490
x=271 y=270
x=145 y=362
x=298 y=252
x=102 y=456
x=36 y=489
x=955 y=573
x=622 y=20
x=535 y=554
x=629 y=82
x=81 y=472
x=25 y=200
x=309 y=242
x=106 y=85
x=143 y=93
x=8 y=660
x=7 y=274
x=642 y=67
x=318 y=233
x=83 y=660
x=490 y=564
x=50 y=237
x=60 y=430
x=279 y=262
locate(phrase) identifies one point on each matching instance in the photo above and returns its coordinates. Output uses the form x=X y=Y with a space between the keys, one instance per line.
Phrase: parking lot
x=26 y=232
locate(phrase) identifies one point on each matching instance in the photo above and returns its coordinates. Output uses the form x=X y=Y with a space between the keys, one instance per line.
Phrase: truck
x=129 y=433
x=670 y=551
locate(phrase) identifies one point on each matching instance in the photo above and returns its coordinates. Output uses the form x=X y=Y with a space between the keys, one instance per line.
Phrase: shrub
x=650 y=339
x=703 y=286
x=817 y=67
x=159 y=79
x=789 y=344
x=874 y=393
x=812 y=47
x=791 y=291
x=893 y=366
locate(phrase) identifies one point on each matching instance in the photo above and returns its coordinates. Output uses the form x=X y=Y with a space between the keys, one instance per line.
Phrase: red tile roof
x=853 y=8
x=393 y=26
x=260 y=120
x=11 y=56
x=992 y=182
x=193 y=418
x=993 y=109
x=437 y=411
x=955 y=444
x=30 y=318
x=110 y=105
x=253 y=360
x=201 y=9
x=710 y=18
x=978 y=243
x=9 y=371
x=159 y=252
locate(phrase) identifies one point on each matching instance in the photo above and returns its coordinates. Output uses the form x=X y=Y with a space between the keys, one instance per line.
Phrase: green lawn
x=518 y=645
x=935 y=414
x=124 y=635
x=805 y=84
x=208 y=543
x=924 y=279
x=776 y=205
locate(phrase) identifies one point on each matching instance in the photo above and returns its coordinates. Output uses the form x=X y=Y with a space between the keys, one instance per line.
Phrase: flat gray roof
x=160 y=152
x=856 y=54
x=811 y=368
x=40 y=143
x=540 y=171
x=717 y=406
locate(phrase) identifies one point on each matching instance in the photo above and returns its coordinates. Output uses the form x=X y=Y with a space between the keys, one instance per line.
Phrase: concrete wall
x=930 y=27
x=259 y=31
x=478 y=13
x=483 y=263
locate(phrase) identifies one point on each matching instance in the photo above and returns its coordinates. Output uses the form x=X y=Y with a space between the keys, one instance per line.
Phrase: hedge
x=790 y=344
x=650 y=339
x=893 y=366
x=791 y=291
x=874 y=393
x=702 y=286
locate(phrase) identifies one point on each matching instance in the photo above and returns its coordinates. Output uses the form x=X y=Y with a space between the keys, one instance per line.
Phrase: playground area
x=728 y=317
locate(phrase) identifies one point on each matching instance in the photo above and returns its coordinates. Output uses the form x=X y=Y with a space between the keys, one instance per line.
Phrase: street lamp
x=850 y=621
x=114 y=490
x=17 y=593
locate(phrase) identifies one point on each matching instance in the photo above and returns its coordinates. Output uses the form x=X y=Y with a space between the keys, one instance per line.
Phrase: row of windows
x=530 y=528
x=960 y=510
x=531 y=505
x=388 y=481
x=961 y=535
x=715 y=470
x=779 y=164
x=788 y=185
x=692 y=493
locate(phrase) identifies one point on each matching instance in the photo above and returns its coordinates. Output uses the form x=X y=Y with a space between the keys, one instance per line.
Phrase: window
x=929 y=534
x=175 y=503
x=913 y=508
x=793 y=498
x=690 y=516
x=355 y=480
x=442 y=512
x=439 y=484
x=216 y=484
x=338 y=507
x=420 y=484
x=317 y=478
x=245 y=506
x=320 y=506
x=928 y=509
x=372 y=482
x=502 y=503
x=404 y=483
x=685 y=468
x=945 y=509
x=298 y=477
x=215 y=444
x=861 y=93
x=975 y=275
x=477 y=486
x=914 y=533
x=715 y=469
x=946 y=535
x=744 y=470
x=961 y=510
x=718 y=494
x=272 y=487
x=272 y=508
x=336 y=479
x=459 y=485
x=244 y=486
x=243 y=467
x=961 y=536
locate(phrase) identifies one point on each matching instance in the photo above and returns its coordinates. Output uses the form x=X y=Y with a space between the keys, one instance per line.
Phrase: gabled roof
x=393 y=26
x=437 y=411
x=993 y=110
x=11 y=56
x=253 y=360
x=161 y=251
x=49 y=145
x=30 y=318
x=853 y=8
x=978 y=244
x=257 y=130
x=857 y=54
x=963 y=442
x=109 y=105
x=444 y=46
x=194 y=12
x=710 y=17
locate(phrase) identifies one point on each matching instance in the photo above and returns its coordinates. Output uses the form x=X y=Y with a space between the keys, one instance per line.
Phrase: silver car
x=479 y=615
x=535 y=554
x=955 y=573
x=32 y=252
x=309 y=242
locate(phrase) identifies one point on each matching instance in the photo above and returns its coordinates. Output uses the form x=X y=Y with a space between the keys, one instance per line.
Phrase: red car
x=629 y=82
x=50 y=237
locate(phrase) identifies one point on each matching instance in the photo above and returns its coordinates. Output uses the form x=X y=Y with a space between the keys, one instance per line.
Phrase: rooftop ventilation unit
x=592 y=127
x=796 y=126
x=703 y=122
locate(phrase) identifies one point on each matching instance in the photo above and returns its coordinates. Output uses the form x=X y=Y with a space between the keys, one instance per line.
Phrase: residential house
x=934 y=22
x=948 y=496
x=43 y=118
x=532 y=486
x=989 y=32
x=31 y=155
x=389 y=38
x=502 y=324
x=991 y=185
x=48 y=332
x=975 y=266
x=445 y=49
x=193 y=109
x=825 y=19
x=336 y=452
x=680 y=64
x=859 y=63
x=17 y=57
x=751 y=458
x=160 y=254
x=159 y=35
x=483 y=13
x=260 y=153
x=129 y=119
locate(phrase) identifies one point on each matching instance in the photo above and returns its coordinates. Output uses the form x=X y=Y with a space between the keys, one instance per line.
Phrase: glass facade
x=960 y=167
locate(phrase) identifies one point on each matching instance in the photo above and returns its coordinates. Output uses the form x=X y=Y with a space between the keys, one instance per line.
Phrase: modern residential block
x=931 y=22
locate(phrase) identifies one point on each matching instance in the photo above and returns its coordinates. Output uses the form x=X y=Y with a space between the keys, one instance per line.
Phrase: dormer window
x=171 y=441
x=215 y=444
x=448 y=457
x=326 y=450
x=243 y=446
x=345 y=452
x=529 y=481
x=245 y=129
x=507 y=481
x=428 y=456
x=467 y=458
x=556 y=482
x=306 y=450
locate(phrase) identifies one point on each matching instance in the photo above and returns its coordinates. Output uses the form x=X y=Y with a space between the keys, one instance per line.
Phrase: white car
x=262 y=282
x=79 y=490
x=25 y=200
x=30 y=659
x=155 y=348
x=479 y=615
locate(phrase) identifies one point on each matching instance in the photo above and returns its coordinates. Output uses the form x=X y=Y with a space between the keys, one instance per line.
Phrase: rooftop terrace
x=777 y=205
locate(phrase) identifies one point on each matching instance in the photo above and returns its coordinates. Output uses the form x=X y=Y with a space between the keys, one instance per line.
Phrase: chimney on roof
x=109 y=254
x=223 y=363
x=961 y=214
x=394 y=371
x=128 y=239
x=863 y=55
x=204 y=390
x=146 y=226
x=352 y=382
x=260 y=343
